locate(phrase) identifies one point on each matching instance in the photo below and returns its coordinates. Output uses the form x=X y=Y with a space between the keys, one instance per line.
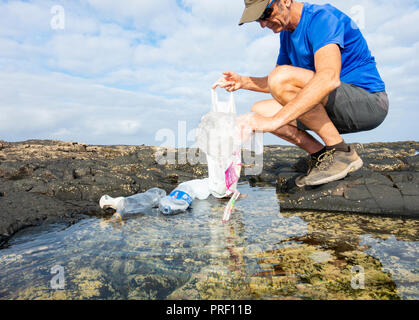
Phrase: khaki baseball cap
x=253 y=10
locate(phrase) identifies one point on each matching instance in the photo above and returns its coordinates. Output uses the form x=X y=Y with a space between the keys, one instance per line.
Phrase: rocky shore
x=45 y=180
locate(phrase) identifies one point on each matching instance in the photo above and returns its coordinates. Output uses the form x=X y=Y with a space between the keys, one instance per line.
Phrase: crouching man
x=325 y=80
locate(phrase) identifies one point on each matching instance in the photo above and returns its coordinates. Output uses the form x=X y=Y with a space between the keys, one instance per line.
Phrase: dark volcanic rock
x=388 y=184
x=48 y=180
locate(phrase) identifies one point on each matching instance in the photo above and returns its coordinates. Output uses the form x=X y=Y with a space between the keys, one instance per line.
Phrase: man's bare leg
x=338 y=160
x=285 y=82
x=289 y=132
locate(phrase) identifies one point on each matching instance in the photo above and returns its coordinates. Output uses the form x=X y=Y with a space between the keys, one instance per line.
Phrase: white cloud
x=262 y=61
x=19 y=19
x=87 y=55
x=121 y=70
x=159 y=17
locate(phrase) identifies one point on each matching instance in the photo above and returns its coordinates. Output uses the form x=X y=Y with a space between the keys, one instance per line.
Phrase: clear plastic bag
x=219 y=138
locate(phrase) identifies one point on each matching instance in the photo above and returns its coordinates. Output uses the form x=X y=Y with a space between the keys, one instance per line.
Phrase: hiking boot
x=302 y=165
x=305 y=164
x=331 y=165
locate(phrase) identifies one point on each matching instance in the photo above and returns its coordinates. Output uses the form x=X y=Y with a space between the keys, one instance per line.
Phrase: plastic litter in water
x=218 y=136
x=137 y=203
x=183 y=195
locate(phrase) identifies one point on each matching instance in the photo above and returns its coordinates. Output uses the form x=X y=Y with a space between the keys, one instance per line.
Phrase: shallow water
x=259 y=254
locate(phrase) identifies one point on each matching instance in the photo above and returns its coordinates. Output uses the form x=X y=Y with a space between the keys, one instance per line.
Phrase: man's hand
x=231 y=81
x=249 y=122
x=245 y=126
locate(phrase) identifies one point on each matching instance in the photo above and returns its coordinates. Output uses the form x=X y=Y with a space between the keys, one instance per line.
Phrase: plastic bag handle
x=214 y=105
x=214 y=99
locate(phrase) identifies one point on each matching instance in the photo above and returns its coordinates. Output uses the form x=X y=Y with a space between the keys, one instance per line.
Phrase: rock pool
x=261 y=253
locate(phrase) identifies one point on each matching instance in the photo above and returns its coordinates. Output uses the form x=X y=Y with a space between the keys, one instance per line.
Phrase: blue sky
x=120 y=71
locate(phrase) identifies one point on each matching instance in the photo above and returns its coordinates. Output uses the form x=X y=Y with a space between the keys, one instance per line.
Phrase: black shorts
x=353 y=109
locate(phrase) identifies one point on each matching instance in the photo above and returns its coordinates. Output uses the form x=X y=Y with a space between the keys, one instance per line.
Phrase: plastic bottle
x=137 y=203
x=181 y=198
x=106 y=202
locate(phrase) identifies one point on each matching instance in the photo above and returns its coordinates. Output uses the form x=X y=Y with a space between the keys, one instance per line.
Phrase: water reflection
x=260 y=254
x=400 y=259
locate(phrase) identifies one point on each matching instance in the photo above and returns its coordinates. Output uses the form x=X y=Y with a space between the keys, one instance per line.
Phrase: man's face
x=280 y=17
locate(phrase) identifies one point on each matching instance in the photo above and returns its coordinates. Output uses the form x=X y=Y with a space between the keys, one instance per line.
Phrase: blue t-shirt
x=324 y=24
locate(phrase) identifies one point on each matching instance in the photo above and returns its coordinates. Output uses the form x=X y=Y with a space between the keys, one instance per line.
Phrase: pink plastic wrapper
x=231 y=176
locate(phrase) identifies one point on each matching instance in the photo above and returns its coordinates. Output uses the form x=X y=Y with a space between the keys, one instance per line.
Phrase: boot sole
x=354 y=166
x=300 y=185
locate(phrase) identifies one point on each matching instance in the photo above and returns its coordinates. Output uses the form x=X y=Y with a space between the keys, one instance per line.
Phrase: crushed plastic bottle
x=137 y=203
x=106 y=202
x=181 y=198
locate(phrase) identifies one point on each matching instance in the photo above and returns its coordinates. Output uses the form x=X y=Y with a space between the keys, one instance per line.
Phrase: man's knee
x=266 y=108
x=279 y=83
x=258 y=108
x=279 y=76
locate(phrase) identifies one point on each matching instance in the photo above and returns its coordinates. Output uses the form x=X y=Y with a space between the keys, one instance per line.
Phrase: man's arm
x=233 y=81
x=328 y=64
x=261 y=84
x=256 y=84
